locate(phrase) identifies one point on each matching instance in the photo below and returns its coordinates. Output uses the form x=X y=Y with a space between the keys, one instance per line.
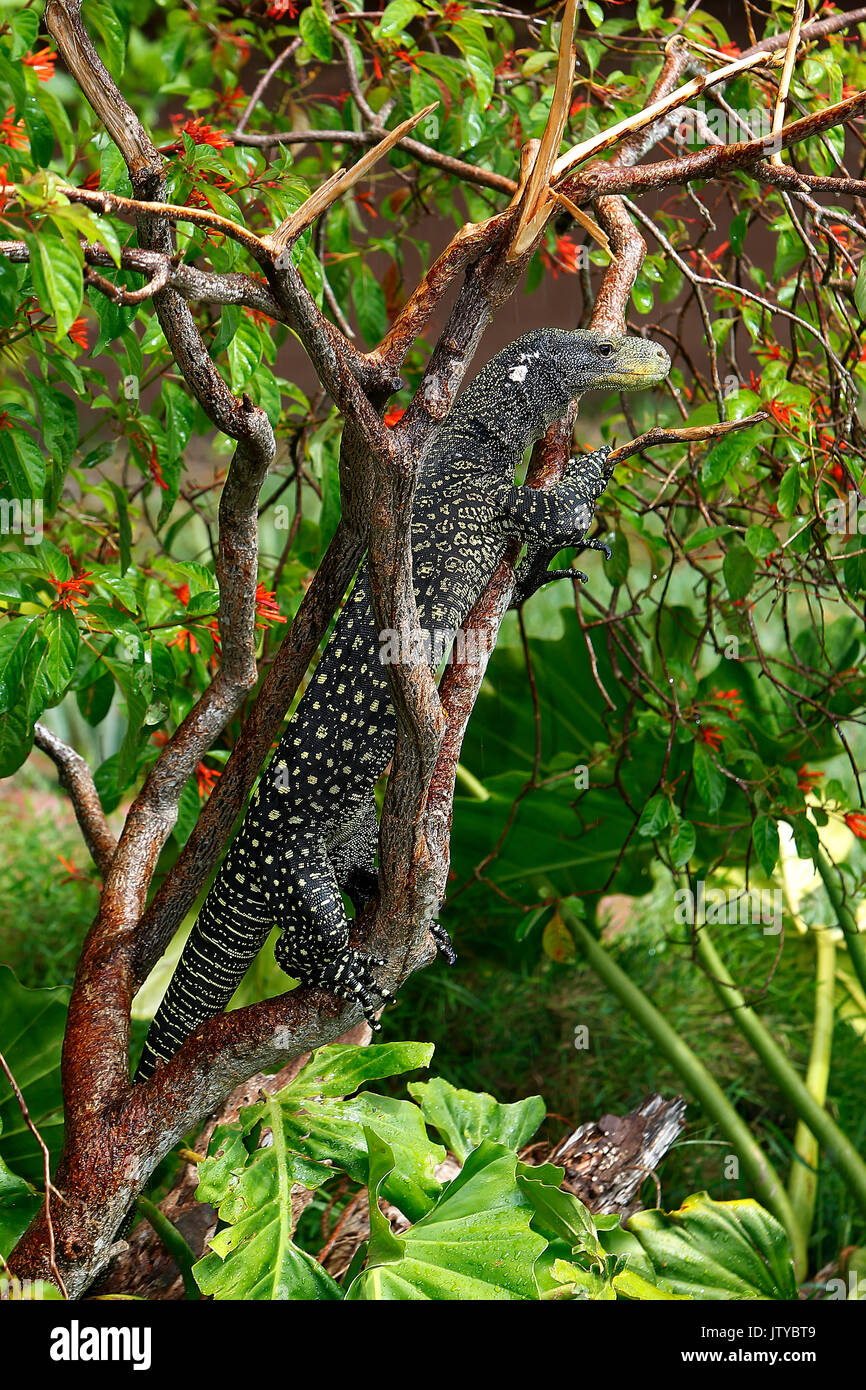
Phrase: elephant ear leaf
x=447 y=1254
x=717 y=1250
x=463 y=1119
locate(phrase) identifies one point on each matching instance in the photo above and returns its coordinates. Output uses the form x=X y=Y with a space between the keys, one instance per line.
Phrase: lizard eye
x=605 y=349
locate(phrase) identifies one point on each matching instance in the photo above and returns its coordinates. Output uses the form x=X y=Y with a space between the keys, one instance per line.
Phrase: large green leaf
x=718 y=1250
x=476 y=1243
x=464 y=1119
x=255 y=1257
x=311 y=1132
x=19 y=1203
x=31 y=1035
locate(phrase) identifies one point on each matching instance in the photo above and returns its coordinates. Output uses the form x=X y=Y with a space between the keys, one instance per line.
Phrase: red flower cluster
x=565 y=257
x=42 y=63
x=12 y=133
x=266 y=606
x=393 y=415
x=806 y=780
x=856 y=823
x=206 y=778
x=731 y=701
x=199 y=132
x=78 y=333
x=71 y=593
x=710 y=734
x=278 y=8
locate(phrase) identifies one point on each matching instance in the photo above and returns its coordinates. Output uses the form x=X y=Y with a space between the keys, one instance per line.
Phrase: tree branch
x=77 y=781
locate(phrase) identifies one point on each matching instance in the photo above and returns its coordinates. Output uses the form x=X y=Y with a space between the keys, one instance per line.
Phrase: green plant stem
x=837 y=1144
x=174 y=1243
x=765 y=1180
x=803 y=1179
x=855 y=940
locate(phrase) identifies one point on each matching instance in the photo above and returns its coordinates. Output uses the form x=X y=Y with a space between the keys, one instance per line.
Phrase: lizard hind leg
x=313 y=945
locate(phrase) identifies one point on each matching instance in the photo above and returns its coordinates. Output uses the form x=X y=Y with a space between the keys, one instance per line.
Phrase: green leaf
x=476 y=1244
x=316 y=31
x=61 y=629
x=718 y=1250
x=464 y=1119
x=682 y=843
x=397 y=17
x=341 y=1069
x=16 y=637
x=368 y=298
x=22 y=465
x=760 y=541
x=31 y=1026
x=57 y=268
x=655 y=816
x=734 y=449
x=616 y=568
x=765 y=838
x=739 y=571
x=255 y=1257
x=860 y=290
x=468 y=35
x=789 y=492
x=709 y=781
x=19 y=1203
x=244 y=353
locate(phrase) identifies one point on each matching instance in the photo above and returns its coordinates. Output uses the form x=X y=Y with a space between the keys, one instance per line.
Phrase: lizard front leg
x=554 y=519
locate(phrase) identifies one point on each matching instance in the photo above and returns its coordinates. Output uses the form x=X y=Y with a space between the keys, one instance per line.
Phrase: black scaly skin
x=311 y=829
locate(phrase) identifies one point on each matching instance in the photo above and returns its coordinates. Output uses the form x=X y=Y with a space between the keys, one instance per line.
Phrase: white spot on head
x=518 y=374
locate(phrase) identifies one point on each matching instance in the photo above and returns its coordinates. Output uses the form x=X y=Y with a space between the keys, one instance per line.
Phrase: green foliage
x=31 y=1026
x=499 y=1229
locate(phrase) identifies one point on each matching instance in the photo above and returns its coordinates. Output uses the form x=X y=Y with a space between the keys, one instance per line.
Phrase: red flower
x=71 y=592
x=402 y=54
x=183 y=638
x=730 y=49
x=856 y=823
x=453 y=10
x=213 y=628
x=782 y=413
x=732 y=701
x=395 y=413
x=266 y=606
x=155 y=470
x=278 y=8
x=365 y=200
x=565 y=257
x=72 y=874
x=12 y=133
x=577 y=105
x=182 y=593
x=711 y=735
x=5 y=422
x=206 y=778
x=200 y=133
x=42 y=63
x=78 y=333
x=806 y=780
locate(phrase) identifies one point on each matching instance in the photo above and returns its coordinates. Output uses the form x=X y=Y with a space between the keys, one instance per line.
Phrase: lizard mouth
x=652 y=369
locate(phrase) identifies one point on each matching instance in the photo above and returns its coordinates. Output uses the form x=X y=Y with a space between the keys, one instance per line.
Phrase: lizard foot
x=351 y=977
x=443 y=941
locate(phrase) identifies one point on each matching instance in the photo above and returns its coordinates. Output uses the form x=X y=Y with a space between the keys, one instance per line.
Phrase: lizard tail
x=228 y=935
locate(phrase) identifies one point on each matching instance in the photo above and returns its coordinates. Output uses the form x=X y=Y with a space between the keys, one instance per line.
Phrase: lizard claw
x=443 y=941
